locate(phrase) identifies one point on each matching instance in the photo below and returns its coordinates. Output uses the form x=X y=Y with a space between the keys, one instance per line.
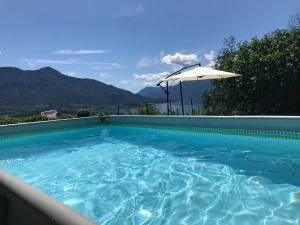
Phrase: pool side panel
x=284 y=123
x=21 y=128
x=28 y=206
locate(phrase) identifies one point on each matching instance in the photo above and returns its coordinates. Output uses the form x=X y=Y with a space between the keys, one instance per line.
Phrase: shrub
x=83 y=113
x=8 y=120
x=35 y=118
x=148 y=109
x=67 y=116
x=102 y=114
x=12 y=120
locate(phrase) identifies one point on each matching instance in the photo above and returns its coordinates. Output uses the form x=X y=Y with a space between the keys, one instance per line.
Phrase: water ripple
x=115 y=175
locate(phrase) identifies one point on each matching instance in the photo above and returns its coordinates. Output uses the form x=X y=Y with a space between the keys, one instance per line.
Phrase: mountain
x=26 y=92
x=190 y=89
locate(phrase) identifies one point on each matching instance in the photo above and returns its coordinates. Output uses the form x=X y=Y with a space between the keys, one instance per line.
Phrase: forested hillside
x=27 y=92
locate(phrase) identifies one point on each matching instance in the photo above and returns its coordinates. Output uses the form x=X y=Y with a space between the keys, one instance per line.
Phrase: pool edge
x=281 y=123
x=60 y=124
x=26 y=205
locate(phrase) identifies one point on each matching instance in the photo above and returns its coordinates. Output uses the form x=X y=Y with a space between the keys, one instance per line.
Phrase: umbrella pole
x=182 y=109
x=168 y=98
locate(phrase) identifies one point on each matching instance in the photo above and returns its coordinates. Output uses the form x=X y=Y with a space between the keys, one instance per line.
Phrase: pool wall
x=22 y=204
x=284 y=123
x=33 y=127
x=278 y=123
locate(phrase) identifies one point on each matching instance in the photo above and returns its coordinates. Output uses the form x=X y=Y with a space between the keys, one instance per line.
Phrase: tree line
x=270 y=69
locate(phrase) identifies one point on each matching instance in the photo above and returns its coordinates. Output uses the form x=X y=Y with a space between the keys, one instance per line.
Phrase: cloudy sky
x=132 y=43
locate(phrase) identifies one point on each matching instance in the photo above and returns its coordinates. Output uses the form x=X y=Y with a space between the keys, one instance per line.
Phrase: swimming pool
x=122 y=174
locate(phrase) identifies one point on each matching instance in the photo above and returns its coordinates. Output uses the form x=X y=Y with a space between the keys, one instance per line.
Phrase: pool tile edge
x=27 y=205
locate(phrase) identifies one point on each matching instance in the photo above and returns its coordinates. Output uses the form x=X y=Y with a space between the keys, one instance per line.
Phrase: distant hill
x=32 y=91
x=191 y=89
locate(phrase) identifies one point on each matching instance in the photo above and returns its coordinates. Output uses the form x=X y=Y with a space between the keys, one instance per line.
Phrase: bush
x=67 y=116
x=12 y=120
x=83 y=113
x=35 y=118
x=102 y=114
x=148 y=109
x=8 y=120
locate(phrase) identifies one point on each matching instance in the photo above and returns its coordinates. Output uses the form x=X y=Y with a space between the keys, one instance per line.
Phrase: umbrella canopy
x=200 y=73
x=197 y=73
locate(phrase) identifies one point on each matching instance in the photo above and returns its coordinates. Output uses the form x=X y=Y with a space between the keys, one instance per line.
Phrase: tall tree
x=270 y=81
x=294 y=21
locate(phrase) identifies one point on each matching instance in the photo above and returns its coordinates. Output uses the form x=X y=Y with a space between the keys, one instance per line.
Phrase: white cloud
x=98 y=65
x=49 y=61
x=124 y=82
x=180 y=59
x=150 y=79
x=0 y=53
x=145 y=61
x=175 y=68
x=210 y=56
x=211 y=64
x=80 y=52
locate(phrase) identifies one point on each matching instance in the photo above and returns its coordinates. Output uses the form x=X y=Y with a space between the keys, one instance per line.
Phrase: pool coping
x=27 y=205
x=58 y=124
x=48 y=121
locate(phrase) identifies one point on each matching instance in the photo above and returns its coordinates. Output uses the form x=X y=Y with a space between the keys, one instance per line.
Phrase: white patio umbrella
x=192 y=74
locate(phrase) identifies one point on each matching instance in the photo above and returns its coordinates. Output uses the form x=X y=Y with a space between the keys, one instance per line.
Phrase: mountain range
x=27 y=92
x=190 y=89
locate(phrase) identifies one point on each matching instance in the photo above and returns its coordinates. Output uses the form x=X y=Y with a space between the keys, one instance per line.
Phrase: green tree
x=83 y=113
x=270 y=81
x=294 y=21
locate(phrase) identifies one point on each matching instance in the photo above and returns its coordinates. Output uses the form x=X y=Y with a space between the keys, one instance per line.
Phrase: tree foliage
x=148 y=109
x=294 y=21
x=270 y=81
x=13 y=120
x=83 y=113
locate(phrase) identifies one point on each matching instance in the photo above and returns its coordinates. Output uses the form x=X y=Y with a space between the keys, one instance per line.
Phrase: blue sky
x=129 y=44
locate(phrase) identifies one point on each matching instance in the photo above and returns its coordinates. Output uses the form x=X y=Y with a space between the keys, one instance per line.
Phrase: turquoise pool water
x=144 y=175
